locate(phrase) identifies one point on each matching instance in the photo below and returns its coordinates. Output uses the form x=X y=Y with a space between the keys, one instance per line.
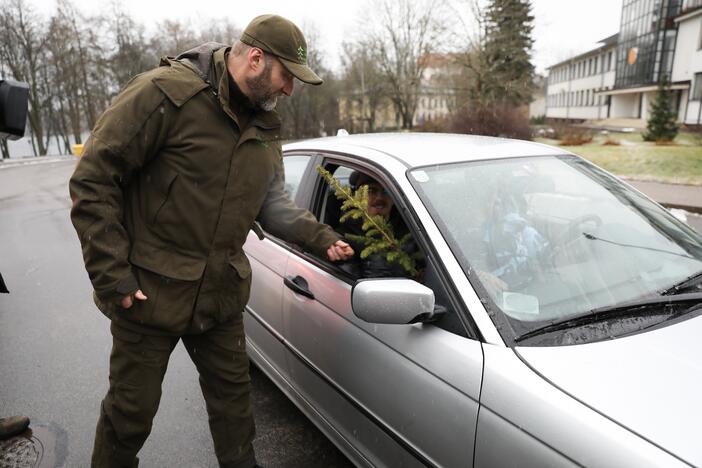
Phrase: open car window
x=327 y=208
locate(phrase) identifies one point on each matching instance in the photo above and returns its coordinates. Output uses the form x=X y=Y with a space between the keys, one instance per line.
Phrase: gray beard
x=268 y=105
x=260 y=86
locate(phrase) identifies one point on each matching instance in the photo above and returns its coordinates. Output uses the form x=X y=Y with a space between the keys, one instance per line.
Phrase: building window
x=699 y=41
x=697 y=90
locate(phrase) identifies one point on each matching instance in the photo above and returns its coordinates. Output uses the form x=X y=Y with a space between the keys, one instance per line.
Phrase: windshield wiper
x=616 y=311
x=686 y=283
x=634 y=246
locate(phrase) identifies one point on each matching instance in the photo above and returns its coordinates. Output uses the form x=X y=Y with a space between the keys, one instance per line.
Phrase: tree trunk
x=4 y=150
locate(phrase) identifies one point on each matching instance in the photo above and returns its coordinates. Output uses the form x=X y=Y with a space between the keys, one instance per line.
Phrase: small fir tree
x=661 y=125
x=379 y=236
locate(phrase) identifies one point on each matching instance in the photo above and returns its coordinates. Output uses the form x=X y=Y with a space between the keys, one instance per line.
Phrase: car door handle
x=299 y=285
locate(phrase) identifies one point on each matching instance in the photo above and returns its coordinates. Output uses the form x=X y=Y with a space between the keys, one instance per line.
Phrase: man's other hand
x=127 y=301
x=339 y=250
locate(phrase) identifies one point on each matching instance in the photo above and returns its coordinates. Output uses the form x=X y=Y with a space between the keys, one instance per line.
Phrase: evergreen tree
x=506 y=56
x=661 y=125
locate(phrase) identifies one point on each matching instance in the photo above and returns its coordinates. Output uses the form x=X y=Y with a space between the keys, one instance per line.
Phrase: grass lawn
x=633 y=158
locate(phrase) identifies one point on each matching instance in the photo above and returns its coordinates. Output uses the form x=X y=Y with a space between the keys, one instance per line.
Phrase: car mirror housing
x=14 y=97
x=392 y=301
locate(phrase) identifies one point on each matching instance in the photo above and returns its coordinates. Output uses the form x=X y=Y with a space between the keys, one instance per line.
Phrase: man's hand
x=127 y=301
x=339 y=250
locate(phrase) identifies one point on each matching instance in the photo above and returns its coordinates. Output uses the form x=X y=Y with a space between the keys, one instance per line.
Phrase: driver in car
x=380 y=203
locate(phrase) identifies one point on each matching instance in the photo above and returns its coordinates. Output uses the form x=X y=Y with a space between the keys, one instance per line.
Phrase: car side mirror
x=14 y=98
x=393 y=301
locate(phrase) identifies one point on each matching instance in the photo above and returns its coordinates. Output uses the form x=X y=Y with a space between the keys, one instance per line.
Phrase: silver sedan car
x=554 y=319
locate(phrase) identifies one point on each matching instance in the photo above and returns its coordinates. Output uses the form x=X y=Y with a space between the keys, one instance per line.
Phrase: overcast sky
x=562 y=27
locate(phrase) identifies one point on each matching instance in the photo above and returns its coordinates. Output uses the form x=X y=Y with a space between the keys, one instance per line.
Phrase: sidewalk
x=14 y=162
x=685 y=197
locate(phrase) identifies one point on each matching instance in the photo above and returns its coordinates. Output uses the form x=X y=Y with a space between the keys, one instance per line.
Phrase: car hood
x=650 y=383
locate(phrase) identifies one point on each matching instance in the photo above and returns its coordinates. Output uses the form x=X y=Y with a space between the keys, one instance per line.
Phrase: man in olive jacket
x=173 y=176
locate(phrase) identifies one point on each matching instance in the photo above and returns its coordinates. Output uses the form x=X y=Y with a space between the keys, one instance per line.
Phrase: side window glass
x=294 y=169
x=376 y=265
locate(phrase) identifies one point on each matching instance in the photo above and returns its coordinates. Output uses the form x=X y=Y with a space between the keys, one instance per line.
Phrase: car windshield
x=549 y=238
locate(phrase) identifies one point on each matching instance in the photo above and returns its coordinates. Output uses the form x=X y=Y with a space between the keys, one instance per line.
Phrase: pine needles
x=378 y=234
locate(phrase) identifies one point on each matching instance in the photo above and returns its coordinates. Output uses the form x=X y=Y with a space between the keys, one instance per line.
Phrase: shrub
x=437 y=125
x=569 y=135
x=538 y=120
x=501 y=120
x=611 y=142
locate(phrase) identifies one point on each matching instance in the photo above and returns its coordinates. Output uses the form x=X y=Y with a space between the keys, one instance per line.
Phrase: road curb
x=691 y=209
x=7 y=164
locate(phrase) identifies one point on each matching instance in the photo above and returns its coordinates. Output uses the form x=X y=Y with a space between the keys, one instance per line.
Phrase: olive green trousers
x=137 y=367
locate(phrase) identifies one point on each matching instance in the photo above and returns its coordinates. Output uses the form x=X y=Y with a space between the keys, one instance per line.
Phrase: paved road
x=54 y=348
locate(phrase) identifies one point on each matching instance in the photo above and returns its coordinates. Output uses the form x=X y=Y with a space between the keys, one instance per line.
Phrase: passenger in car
x=379 y=203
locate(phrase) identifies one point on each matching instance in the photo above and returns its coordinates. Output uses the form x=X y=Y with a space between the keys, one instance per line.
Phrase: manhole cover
x=40 y=446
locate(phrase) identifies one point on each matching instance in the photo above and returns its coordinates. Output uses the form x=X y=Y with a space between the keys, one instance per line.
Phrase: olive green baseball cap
x=280 y=37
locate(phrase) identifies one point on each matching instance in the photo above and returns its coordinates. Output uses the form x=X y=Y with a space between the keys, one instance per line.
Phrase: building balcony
x=691 y=5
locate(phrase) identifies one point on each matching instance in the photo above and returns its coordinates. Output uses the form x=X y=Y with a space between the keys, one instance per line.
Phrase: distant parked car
x=556 y=321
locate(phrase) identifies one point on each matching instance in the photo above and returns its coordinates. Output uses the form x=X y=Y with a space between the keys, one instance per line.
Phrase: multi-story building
x=438 y=94
x=619 y=79
x=573 y=84
x=687 y=65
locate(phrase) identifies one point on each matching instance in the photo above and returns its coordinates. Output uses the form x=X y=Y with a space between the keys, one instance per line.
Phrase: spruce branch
x=379 y=236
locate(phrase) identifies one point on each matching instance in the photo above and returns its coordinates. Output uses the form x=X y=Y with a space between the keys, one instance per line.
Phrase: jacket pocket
x=236 y=289
x=169 y=304
x=241 y=264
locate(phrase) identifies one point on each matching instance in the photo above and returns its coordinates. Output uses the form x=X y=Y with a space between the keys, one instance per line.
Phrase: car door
x=402 y=395
x=268 y=257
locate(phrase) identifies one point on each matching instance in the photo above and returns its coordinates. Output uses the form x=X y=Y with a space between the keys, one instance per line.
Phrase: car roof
x=421 y=149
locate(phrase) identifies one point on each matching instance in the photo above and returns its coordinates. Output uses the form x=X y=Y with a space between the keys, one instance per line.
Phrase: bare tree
x=220 y=30
x=365 y=86
x=22 y=42
x=312 y=111
x=401 y=34
x=172 y=38
x=64 y=65
x=86 y=49
x=129 y=54
x=75 y=64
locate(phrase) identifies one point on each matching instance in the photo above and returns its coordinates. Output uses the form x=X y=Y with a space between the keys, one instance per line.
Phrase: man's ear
x=255 y=58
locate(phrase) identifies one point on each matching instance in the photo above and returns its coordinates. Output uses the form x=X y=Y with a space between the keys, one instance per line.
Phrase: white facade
x=687 y=65
x=573 y=85
x=537 y=107
x=576 y=93
x=437 y=95
x=432 y=104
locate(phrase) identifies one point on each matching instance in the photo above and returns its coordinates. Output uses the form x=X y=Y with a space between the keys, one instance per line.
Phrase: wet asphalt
x=55 y=345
